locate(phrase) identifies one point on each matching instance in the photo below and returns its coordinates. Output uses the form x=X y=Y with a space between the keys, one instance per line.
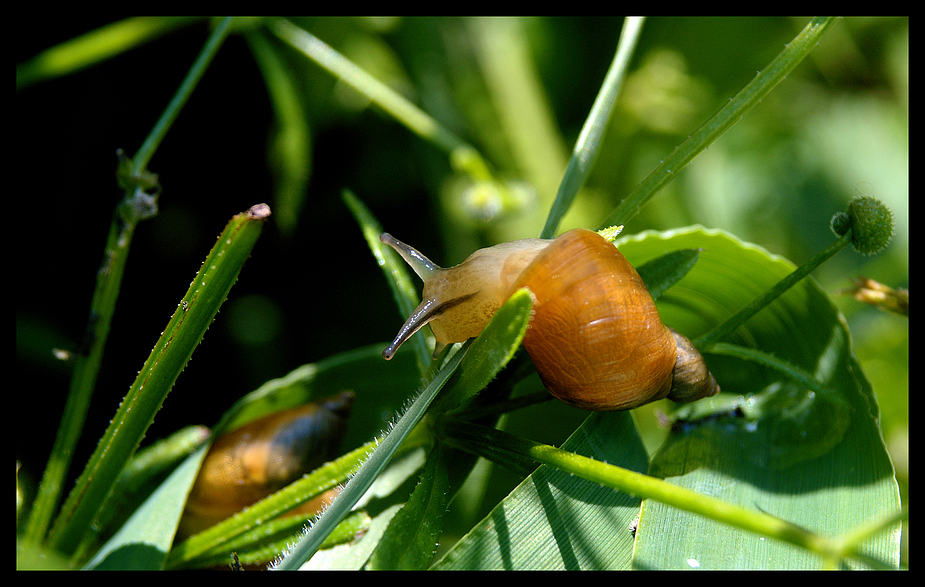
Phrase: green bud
x=870 y=222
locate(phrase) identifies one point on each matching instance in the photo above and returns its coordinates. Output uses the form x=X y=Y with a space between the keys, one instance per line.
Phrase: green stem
x=135 y=207
x=83 y=379
x=728 y=115
x=144 y=154
x=705 y=342
x=490 y=443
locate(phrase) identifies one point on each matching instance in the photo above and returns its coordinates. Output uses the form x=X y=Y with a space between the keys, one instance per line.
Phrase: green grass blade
x=463 y=156
x=93 y=47
x=589 y=141
x=396 y=274
x=143 y=541
x=290 y=150
x=389 y=100
x=214 y=540
x=470 y=372
x=728 y=115
x=413 y=534
x=168 y=358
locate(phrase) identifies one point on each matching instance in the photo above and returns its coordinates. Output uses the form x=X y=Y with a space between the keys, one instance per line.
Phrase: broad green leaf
x=554 y=520
x=816 y=459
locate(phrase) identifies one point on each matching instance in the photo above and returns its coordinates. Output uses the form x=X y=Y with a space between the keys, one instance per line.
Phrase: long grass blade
x=168 y=358
x=728 y=115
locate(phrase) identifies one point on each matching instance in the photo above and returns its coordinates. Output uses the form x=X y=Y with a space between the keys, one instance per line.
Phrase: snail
x=595 y=336
x=263 y=456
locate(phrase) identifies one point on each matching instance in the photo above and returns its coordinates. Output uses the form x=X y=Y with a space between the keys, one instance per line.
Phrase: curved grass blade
x=396 y=272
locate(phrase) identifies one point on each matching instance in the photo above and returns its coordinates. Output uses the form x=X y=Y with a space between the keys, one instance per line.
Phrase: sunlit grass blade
x=214 y=540
x=411 y=538
x=395 y=270
x=145 y=472
x=589 y=141
x=470 y=372
x=727 y=116
x=168 y=358
x=93 y=47
x=143 y=541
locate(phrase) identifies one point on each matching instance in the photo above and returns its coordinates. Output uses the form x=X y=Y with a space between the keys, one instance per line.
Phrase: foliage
x=793 y=450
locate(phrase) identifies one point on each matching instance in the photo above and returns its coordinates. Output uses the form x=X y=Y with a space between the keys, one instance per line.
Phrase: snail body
x=596 y=337
x=253 y=461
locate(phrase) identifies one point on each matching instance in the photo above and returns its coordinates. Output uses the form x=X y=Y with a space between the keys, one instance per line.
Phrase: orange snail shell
x=596 y=337
x=263 y=456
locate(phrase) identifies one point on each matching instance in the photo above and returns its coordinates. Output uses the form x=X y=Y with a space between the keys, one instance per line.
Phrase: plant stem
x=102 y=307
x=705 y=342
x=491 y=443
x=83 y=379
x=144 y=154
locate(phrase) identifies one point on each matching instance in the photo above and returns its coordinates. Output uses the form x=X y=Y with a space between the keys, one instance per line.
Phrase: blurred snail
x=253 y=461
x=596 y=337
